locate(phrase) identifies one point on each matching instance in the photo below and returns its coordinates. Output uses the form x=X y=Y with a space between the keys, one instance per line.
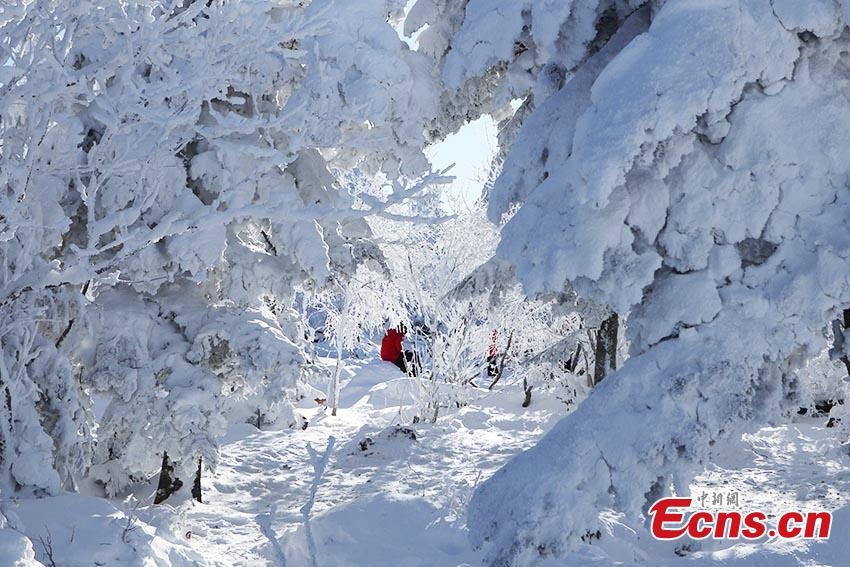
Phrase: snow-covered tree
x=425 y=262
x=353 y=309
x=682 y=163
x=549 y=340
x=165 y=189
x=459 y=306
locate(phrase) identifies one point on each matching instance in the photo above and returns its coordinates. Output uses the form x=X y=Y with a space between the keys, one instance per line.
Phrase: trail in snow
x=385 y=499
x=399 y=502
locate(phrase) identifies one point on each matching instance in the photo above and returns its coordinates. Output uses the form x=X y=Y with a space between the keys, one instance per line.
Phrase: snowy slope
x=387 y=500
x=398 y=502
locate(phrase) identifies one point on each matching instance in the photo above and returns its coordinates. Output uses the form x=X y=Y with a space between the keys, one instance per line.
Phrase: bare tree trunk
x=587 y=362
x=5 y=435
x=527 y=389
x=196 y=486
x=606 y=348
x=839 y=349
x=259 y=423
x=334 y=394
x=502 y=362
x=168 y=483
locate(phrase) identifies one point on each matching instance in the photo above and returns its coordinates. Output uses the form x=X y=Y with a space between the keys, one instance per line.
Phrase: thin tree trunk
x=168 y=483
x=334 y=394
x=196 y=486
x=606 y=348
x=502 y=362
x=335 y=380
x=259 y=419
x=5 y=435
x=838 y=346
x=527 y=389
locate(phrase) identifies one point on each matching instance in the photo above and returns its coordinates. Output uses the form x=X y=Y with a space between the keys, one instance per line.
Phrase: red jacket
x=391 y=345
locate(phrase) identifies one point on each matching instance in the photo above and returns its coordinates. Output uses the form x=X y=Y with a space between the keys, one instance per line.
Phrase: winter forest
x=414 y=283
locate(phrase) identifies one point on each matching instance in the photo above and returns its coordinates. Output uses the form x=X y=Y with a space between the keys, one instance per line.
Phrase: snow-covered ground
x=394 y=494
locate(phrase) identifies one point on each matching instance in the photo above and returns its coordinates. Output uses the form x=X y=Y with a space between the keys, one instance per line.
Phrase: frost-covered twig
x=401 y=193
x=265 y=523
x=131 y=524
x=46 y=542
x=319 y=464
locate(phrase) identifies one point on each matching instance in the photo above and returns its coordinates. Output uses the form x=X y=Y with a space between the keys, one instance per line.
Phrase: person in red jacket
x=393 y=351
